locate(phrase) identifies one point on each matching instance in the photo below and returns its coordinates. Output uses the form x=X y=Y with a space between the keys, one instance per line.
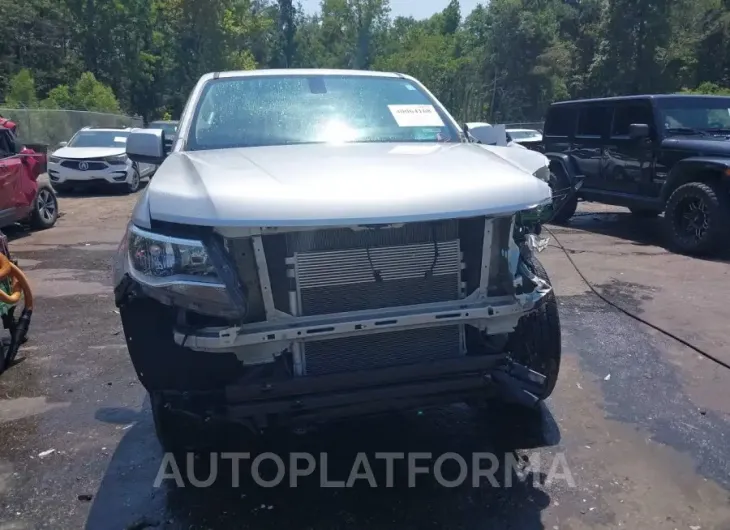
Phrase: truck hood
x=88 y=152
x=519 y=155
x=699 y=145
x=324 y=184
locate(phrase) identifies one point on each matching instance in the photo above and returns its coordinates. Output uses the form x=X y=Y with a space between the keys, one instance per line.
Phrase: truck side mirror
x=638 y=131
x=146 y=146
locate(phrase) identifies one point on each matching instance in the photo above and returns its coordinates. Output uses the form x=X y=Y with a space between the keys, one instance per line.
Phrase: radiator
x=345 y=270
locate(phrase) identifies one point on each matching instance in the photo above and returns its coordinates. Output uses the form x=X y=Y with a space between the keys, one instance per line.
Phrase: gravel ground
x=638 y=424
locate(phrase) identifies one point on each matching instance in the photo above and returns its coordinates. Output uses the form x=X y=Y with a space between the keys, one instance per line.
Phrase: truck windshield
x=700 y=114
x=298 y=109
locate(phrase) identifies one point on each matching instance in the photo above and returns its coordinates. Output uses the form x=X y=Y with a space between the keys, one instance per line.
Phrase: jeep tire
x=697 y=217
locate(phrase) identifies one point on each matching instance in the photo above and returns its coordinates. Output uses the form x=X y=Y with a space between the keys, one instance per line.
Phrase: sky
x=411 y=8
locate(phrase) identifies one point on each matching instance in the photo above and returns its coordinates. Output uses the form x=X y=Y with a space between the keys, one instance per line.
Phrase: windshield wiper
x=720 y=130
x=686 y=130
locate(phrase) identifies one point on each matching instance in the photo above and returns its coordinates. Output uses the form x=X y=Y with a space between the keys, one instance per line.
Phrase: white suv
x=96 y=156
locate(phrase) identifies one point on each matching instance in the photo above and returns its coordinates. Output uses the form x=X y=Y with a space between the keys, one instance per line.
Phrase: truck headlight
x=157 y=256
x=116 y=160
x=543 y=174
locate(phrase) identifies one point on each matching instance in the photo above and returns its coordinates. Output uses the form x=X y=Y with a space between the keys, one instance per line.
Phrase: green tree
x=90 y=94
x=708 y=88
x=287 y=28
x=506 y=60
x=37 y=35
x=22 y=93
x=58 y=98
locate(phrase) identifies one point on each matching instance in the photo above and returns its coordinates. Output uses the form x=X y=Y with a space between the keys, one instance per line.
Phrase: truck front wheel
x=536 y=342
x=697 y=217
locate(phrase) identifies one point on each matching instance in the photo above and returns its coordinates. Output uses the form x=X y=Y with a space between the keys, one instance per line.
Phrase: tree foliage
x=507 y=60
x=22 y=92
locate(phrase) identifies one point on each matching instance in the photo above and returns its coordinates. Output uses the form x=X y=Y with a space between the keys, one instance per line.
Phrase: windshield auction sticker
x=416 y=116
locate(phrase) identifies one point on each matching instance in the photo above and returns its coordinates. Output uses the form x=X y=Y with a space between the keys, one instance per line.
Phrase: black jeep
x=652 y=154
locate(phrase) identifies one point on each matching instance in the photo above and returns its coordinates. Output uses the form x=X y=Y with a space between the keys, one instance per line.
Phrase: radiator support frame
x=490 y=314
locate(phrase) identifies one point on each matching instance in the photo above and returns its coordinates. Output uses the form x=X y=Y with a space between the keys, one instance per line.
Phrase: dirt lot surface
x=639 y=424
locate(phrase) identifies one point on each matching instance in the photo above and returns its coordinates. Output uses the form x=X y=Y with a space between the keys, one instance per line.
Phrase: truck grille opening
x=327 y=271
x=349 y=280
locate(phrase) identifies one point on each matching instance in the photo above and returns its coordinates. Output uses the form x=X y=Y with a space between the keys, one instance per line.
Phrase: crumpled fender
x=28 y=186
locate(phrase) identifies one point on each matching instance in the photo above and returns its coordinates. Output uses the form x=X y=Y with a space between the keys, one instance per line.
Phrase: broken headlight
x=159 y=256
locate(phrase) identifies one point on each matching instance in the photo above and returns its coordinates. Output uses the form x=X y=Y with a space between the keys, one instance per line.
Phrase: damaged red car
x=23 y=199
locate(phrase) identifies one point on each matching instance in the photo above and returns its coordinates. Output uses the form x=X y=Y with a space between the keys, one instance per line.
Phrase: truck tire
x=170 y=432
x=45 y=207
x=536 y=342
x=697 y=217
x=563 y=209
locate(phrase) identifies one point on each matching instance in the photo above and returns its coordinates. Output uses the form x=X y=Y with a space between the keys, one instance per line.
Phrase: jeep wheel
x=697 y=217
x=536 y=342
x=563 y=206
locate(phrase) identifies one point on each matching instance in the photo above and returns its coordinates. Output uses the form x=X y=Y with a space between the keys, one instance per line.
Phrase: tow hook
x=518 y=384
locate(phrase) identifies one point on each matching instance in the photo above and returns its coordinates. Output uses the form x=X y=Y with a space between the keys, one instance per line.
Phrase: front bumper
x=204 y=386
x=112 y=175
x=310 y=400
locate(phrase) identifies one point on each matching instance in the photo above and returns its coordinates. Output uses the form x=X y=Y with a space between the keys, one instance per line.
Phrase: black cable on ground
x=632 y=315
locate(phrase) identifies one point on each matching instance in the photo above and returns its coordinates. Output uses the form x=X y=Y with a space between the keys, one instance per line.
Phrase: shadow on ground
x=127 y=498
x=98 y=190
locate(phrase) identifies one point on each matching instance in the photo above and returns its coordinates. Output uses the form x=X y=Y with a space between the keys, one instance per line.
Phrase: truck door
x=587 y=147
x=628 y=162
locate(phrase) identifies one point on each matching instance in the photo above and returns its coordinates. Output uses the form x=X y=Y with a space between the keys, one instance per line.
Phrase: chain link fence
x=46 y=128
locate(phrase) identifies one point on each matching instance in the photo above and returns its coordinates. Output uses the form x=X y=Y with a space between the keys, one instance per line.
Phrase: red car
x=22 y=197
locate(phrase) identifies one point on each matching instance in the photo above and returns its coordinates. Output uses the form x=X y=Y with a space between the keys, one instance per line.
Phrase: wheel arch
x=564 y=162
x=695 y=169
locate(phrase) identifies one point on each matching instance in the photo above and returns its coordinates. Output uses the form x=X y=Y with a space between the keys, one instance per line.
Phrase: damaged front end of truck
x=285 y=326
